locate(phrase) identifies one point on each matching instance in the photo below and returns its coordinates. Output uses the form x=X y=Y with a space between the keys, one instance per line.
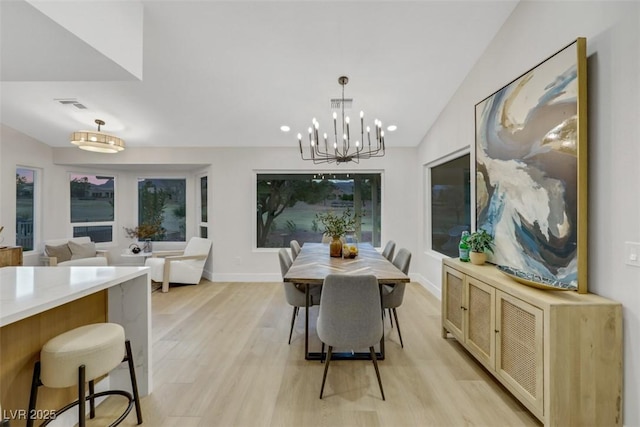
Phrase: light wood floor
x=220 y=358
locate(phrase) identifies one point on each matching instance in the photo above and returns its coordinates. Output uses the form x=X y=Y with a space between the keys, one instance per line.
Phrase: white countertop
x=25 y=291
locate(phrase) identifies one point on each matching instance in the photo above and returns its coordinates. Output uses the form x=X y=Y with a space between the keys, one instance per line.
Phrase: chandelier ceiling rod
x=341 y=151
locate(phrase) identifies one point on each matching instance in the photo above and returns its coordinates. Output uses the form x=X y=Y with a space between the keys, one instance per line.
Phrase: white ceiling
x=230 y=73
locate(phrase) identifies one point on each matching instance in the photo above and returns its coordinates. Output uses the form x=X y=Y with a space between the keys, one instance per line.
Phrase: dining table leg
x=306 y=321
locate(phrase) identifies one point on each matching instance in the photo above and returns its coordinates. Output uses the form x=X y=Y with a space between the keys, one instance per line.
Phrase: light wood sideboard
x=558 y=352
x=10 y=256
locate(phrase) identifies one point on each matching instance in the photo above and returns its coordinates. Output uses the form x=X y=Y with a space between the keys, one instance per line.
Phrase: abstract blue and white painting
x=526 y=169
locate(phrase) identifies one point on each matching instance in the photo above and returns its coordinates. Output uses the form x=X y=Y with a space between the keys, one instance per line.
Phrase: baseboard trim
x=267 y=277
x=433 y=289
x=245 y=277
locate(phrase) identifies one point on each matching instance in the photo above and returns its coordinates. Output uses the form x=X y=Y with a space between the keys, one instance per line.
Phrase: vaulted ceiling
x=204 y=73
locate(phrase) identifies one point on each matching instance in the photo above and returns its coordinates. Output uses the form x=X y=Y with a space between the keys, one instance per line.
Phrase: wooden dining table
x=313 y=264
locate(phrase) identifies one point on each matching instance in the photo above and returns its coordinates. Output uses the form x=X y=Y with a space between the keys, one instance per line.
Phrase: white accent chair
x=180 y=266
x=76 y=251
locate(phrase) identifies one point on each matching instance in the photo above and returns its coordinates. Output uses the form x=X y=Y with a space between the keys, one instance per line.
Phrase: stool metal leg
x=81 y=397
x=134 y=382
x=35 y=383
x=92 y=400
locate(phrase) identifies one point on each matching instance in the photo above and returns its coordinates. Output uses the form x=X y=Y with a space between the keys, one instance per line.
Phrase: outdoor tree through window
x=162 y=209
x=287 y=205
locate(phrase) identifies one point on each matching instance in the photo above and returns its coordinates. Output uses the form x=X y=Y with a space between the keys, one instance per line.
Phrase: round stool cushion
x=100 y=347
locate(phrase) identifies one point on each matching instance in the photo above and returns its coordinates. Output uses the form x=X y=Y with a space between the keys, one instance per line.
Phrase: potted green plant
x=480 y=242
x=336 y=226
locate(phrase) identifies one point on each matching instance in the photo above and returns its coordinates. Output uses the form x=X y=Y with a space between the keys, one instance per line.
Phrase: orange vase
x=335 y=247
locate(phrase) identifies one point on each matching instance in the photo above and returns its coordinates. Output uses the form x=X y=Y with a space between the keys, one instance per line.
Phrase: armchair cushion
x=73 y=251
x=61 y=252
x=97 y=261
x=82 y=250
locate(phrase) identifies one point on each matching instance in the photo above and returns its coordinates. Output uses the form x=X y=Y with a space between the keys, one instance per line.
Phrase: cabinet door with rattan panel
x=480 y=320
x=519 y=350
x=453 y=303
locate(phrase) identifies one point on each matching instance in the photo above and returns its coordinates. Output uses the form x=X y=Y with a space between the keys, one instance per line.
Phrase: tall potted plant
x=480 y=242
x=336 y=227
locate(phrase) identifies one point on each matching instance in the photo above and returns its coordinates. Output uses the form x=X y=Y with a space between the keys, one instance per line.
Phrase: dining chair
x=295 y=294
x=349 y=316
x=388 y=250
x=295 y=249
x=392 y=295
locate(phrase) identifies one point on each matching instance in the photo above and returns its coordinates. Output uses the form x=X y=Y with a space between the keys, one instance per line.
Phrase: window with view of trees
x=450 y=204
x=25 y=207
x=162 y=207
x=92 y=206
x=287 y=205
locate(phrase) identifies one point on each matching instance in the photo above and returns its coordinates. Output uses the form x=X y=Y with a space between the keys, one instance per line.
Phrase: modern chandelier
x=341 y=149
x=98 y=142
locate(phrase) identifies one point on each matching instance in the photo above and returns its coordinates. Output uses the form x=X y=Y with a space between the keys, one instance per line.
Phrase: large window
x=287 y=205
x=25 y=207
x=162 y=207
x=450 y=204
x=92 y=206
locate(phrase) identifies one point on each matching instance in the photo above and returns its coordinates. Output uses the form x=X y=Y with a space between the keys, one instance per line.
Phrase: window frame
x=37 y=207
x=200 y=224
x=186 y=179
x=112 y=223
x=256 y=172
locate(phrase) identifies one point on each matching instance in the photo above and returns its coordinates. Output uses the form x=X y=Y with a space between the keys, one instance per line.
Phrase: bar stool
x=4 y=422
x=81 y=354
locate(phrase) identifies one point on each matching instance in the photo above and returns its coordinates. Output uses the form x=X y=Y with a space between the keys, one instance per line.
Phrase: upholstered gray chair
x=350 y=316
x=388 y=250
x=295 y=249
x=295 y=294
x=392 y=296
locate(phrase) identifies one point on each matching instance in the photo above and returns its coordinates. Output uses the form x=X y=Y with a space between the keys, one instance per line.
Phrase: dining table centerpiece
x=336 y=226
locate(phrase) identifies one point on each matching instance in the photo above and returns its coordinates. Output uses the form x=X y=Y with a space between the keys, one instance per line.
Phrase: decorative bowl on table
x=535 y=280
x=349 y=251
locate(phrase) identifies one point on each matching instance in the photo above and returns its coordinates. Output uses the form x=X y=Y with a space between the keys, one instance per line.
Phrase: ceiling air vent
x=335 y=103
x=71 y=101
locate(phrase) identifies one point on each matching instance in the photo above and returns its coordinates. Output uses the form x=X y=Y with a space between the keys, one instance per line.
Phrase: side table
x=139 y=256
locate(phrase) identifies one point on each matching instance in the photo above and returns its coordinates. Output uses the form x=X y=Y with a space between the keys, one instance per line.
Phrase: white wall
x=534 y=31
x=231 y=194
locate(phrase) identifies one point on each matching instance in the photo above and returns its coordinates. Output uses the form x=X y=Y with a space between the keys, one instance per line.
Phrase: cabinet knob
x=497 y=331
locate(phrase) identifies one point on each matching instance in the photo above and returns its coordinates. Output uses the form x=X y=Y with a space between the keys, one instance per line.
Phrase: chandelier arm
x=343 y=151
